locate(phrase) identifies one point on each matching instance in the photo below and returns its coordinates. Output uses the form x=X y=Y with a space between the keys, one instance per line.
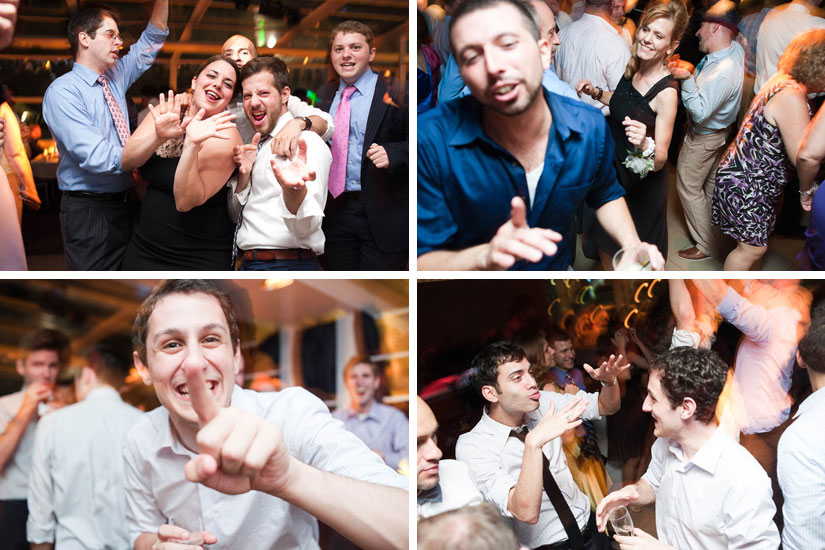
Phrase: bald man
x=443 y=485
x=240 y=49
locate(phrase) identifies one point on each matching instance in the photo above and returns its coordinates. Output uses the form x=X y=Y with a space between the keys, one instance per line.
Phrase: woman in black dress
x=642 y=112
x=173 y=234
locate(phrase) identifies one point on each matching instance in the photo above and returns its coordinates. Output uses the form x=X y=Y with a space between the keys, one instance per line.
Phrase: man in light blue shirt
x=801 y=453
x=94 y=212
x=711 y=98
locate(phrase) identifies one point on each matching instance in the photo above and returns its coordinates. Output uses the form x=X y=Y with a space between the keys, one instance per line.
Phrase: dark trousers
x=95 y=232
x=350 y=245
x=763 y=448
x=305 y=264
x=13 y=516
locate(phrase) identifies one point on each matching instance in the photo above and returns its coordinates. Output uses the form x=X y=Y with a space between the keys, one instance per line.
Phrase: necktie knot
x=348 y=91
x=520 y=434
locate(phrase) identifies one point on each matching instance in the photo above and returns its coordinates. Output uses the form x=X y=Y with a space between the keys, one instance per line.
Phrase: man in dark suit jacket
x=367 y=224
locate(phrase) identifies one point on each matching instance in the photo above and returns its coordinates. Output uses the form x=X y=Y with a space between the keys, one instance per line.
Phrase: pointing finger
x=518 y=212
x=202 y=399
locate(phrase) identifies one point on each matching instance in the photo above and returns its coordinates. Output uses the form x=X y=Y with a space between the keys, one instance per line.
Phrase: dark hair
x=361 y=360
x=696 y=373
x=49 y=340
x=219 y=57
x=488 y=360
x=557 y=335
x=812 y=348
x=87 y=20
x=478 y=527
x=109 y=364
x=352 y=26
x=533 y=343
x=270 y=64
x=527 y=12
x=181 y=286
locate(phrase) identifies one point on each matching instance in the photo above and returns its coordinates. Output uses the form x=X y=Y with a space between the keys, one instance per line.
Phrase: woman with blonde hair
x=752 y=174
x=642 y=112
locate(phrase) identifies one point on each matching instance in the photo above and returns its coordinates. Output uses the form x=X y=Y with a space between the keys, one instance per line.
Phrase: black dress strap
x=664 y=83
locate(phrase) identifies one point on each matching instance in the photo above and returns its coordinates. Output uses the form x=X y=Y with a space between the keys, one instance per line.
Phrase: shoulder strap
x=666 y=82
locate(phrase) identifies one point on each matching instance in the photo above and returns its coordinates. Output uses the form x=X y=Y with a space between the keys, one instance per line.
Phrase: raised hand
x=36 y=393
x=635 y=131
x=515 y=240
x=168 y=124
x=293 y=176
x=679 y=68
x=640 y=541
x=609 y=370
x=553 y=424
x=622 y=497
x=239 y=451
x=199 y=130
x=378 y=155
x=620 y=341
x=244 y=155
x=172 y=537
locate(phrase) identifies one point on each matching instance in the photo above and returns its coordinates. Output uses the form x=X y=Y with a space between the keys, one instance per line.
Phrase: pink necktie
x=340 y=141
x=117 y=114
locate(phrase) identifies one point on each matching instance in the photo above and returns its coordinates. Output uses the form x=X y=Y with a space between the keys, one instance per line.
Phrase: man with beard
x=383 y=428
x=282 y=200
x=502 y=172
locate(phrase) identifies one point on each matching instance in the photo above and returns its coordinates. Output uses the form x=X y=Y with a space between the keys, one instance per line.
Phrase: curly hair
x=674 y=10
x=804 y=59
x=533 y=345
x=696 y=373
x=488 y=360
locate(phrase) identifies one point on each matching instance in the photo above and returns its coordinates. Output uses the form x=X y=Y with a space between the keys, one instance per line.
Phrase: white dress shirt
x=764 y=361
x=76 y=497
x=591 y=48
x=801 y=470
x=157 y=492
x=455 y=490
x=267 y=223
x=780 y=26
x=294 y=105
x=14 y=478
x=494 y=459
x=718 y=500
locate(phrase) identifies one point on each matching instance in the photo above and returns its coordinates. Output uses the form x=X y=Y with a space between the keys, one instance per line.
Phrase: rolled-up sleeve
x=310 y=214
x=487 y=471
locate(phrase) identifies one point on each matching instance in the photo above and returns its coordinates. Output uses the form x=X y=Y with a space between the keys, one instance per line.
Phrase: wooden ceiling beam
x=311 y=19
x=392 y=36
x=185 y=35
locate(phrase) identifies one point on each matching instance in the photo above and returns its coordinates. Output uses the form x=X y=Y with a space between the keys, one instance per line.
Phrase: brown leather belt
x=268 y=255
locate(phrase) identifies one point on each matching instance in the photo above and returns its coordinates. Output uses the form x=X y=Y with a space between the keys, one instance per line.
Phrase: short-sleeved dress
x=646 y=197
x=752 y=175
x=165 y=239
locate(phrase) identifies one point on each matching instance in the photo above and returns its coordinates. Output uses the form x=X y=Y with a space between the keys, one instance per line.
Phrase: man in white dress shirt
x=510 y=472
x=283 y=198
x=801 y=454
x=217 y=464
x=306 y=117
x=76 y=497
x=19 y=414
x=593 y=48
x=442 y=484
x=709 y=492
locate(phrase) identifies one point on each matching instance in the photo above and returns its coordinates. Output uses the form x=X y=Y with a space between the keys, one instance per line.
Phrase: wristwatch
x=307 y=121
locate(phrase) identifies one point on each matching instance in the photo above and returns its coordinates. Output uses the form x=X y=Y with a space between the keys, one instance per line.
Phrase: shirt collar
x=282 y=120
x=706 y=458
x=104 y=393
x=433 y=495
x=470 y=128
x=815 y=400
x=721 y=54
x=86 y=74
x=372 y=413
x=364 y=81
x=498 y=430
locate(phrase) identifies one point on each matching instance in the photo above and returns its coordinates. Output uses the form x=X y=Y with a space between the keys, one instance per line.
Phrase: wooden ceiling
x=90 y=310
x=300 y=31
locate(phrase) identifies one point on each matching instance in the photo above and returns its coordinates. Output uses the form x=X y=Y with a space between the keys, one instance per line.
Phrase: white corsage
x=641 y=162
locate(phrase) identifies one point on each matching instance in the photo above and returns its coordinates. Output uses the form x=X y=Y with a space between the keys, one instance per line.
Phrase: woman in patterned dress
x=756 y=167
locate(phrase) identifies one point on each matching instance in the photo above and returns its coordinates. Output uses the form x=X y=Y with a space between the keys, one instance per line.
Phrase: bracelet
x=810 y=191
x=599 y=95
x=606 y=385
x=307 y=121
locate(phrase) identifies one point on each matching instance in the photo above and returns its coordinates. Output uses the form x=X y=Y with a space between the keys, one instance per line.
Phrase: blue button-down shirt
x=80 y=121
x=383 y=428
x=712 y=97
x=360 y=102
x=466 y=181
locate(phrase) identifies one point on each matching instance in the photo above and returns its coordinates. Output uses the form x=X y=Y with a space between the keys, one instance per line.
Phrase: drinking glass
x=634 y=258
x=621 y=521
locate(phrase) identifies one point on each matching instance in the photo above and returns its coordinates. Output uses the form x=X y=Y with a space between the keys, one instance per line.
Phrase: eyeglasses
x=110 y=34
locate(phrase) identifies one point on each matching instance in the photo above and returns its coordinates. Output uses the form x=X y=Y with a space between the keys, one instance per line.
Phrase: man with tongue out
x=236 y=469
